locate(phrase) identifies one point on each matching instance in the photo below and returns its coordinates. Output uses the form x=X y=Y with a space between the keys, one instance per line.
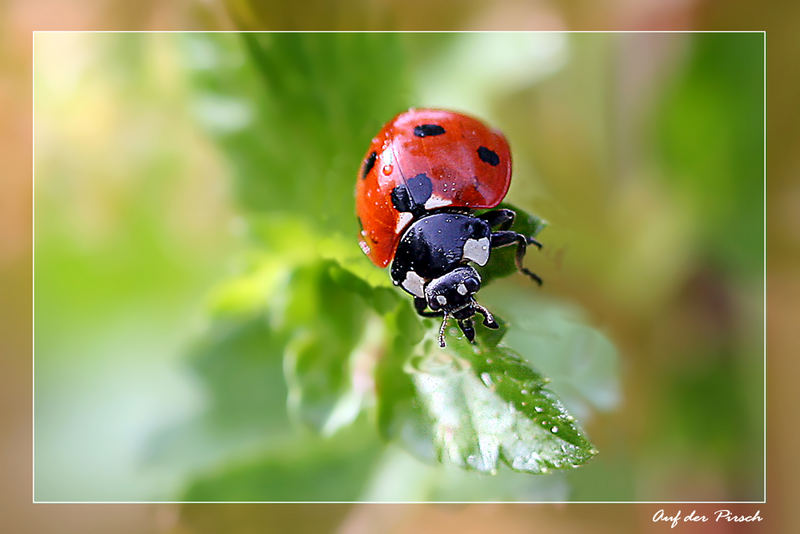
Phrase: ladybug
x=423 y=177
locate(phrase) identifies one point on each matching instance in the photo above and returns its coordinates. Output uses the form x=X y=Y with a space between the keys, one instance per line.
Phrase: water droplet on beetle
x=387 y=170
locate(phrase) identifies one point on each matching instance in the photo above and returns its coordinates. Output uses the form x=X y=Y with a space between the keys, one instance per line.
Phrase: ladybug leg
x=441 y=331
x=466 y=326
x=420 y=305
x=488 y=318
x=505 y=238
x=501 y=218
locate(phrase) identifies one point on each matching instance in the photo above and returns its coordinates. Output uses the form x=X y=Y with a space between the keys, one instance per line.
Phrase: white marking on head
x=414 y=284
x=402 y=221
x=462 y=289
x=441 y=299
x=477 y=250
x=435 y=201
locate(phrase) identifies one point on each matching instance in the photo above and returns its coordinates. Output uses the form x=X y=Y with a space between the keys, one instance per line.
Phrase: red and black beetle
x=423 y=177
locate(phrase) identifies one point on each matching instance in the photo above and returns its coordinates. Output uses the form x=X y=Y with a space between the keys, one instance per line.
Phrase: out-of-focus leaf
x=502 y=260
x=238 y=362
x=400 y=476
x=398 y=413
x=304 y=109
x=331 y=318
x=710 y=133
x=329 y=357
x=306 y=468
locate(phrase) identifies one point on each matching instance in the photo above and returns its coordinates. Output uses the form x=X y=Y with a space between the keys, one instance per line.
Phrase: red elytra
x=468 y=164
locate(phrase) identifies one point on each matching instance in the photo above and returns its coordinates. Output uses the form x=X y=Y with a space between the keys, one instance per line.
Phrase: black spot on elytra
x=424 y=130
x=488 y=156
x=368 y=164
x=420 y=187
x=411 y=196
x=401 y=199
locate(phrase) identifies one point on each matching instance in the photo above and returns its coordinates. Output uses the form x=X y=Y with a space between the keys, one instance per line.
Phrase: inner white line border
x=612 y=32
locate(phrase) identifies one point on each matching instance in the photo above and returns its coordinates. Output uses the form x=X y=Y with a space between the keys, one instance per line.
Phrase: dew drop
x=486 y=378
x=554 y=429
x=537 y=408
x=570 y=418
x=387 y=170
x=524 y=391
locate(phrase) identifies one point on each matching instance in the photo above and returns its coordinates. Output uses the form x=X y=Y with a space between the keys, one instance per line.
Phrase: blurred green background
x=178 y=175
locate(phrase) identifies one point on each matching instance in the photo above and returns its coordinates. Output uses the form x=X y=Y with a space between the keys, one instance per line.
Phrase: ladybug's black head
x=452 y=292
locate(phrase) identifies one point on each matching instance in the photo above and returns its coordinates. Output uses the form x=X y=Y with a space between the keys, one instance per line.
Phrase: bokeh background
x=167 y=162
x=701 y=283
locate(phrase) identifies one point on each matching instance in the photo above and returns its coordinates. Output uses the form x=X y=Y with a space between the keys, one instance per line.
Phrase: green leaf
x=398 y=413
x=502 y=260
x=328 y=360
x=238 y=364
x=476 y=406
x=400 y=476
x=553 y=335
x=296 y=117
x=304 y=468
x=490 y=337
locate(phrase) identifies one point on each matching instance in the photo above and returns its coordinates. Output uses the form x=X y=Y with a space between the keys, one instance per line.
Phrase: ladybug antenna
x=441 y=330
x=488 y=318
